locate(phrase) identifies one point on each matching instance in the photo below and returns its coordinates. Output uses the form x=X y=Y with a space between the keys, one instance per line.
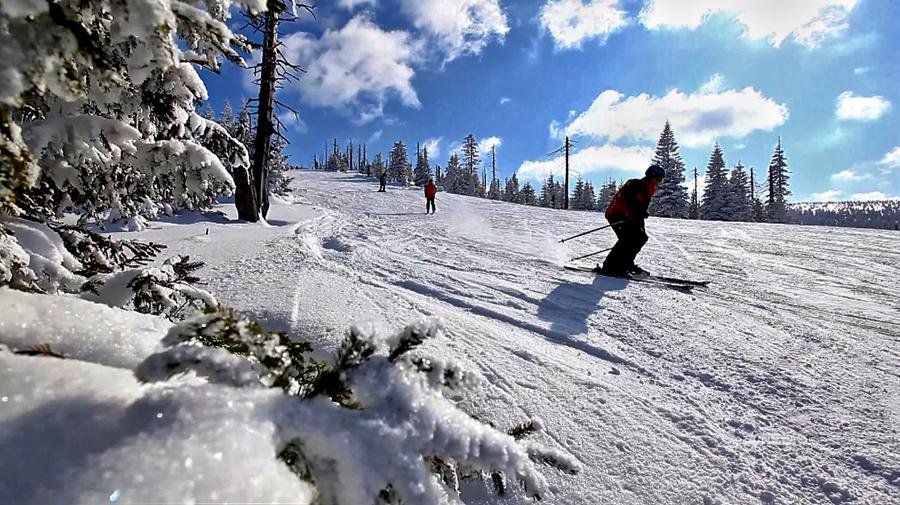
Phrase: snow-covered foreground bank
x=780 y=383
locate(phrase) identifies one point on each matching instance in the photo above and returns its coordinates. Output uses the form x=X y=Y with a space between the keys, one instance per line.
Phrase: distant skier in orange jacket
x=626 y=214
x=430 y=193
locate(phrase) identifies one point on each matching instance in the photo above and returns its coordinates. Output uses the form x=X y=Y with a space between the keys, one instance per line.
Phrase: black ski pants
x=429 y=205
x=632 y=238
x=381 y=187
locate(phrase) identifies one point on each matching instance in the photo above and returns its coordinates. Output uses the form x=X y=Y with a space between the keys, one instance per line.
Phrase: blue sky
x=822 y=74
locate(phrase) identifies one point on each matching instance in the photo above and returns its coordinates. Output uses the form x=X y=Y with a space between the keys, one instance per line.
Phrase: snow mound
x=78 y=329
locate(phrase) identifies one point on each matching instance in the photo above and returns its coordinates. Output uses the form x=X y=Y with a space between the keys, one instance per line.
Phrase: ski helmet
x=656 y=171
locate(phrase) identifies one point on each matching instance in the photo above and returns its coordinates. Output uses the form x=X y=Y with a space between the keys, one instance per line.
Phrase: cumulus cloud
x=505 y=100
x=830 y=195
x=434 y=147
x=871 y=196
x=458 y=26
x=484 y=145
x=630 y=159
x=352 y=4
x=852 y=107
x=292 y=121
x=848 y=176
x=809 y=22
x=891 y=158
x=572 y=22
x=698 y=118
x=356 y=68
x=715 y=84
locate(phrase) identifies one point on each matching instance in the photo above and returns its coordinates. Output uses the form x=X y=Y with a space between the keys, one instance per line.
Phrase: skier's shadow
x=569 y=306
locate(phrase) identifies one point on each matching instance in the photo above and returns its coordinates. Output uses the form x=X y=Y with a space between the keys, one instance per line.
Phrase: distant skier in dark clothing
x=626 y=214
x=382 y=179
x=430 y=193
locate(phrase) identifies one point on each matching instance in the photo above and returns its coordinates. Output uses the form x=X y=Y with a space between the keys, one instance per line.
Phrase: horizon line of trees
x=730 y=194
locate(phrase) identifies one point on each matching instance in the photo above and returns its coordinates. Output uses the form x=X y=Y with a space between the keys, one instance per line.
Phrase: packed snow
x=777 y=384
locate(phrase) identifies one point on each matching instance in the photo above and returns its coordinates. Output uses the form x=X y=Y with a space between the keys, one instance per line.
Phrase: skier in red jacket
x=626 y=214
x=430 y=193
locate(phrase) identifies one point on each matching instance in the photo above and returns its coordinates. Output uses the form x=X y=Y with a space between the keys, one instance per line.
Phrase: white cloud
x=292 y=121
x=861 y=70
x=830 y=195
x=358 y=67
x=376 y=136
x=809 y=22
x=352 y=4
x=852 y=107
x=715 y=84
x=458 y=26
x=505 y=100
x=870 y=196
x=633 y=159
x=848 y=176
x=891 y=158
x=698 y=118
x=572 y=22
x=434 y=147
x=484 y=145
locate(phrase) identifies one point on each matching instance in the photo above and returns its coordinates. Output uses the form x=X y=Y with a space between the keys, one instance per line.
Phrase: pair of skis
x=669 y=282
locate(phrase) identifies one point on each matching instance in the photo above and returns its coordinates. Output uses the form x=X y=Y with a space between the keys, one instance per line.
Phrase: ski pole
x=589 y=255
x=590 y=231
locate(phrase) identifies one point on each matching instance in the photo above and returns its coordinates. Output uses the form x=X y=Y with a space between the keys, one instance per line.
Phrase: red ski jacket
x=632 y=200
x=430 y=190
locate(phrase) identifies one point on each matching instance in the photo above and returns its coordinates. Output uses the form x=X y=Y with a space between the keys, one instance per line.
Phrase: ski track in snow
x=780 y=383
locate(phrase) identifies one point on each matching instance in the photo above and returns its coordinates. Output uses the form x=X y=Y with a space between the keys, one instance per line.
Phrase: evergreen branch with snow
x=333 y=409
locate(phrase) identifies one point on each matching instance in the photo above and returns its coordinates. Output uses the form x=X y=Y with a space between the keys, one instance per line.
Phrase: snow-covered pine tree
x=559 y=197
x=455 y=178
x=481 y=192
x=738 y=207
x=470 y=162
x=715 y=196
x=438 y=175
x=399 y=169
x=577 y=200
x=548 y=193
x=589 y=198
x=694 y=207
x=101 y=119
x=757 y=209
x=378 y=167
x=423 y=168
x=607 y=192
x=527 y=195
x=279 y=182
x=228 y=118
x=671 y=198
x=776 y=204
x=511 y=191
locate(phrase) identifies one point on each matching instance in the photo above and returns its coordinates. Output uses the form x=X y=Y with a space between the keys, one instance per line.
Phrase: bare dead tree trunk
x=265 y=107
x=244 y=195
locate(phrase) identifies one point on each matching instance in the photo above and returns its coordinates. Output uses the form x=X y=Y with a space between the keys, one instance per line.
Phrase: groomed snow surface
x=780 y=383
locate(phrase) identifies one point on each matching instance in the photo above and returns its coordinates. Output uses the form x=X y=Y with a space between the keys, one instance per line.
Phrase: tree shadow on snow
x=569 y=306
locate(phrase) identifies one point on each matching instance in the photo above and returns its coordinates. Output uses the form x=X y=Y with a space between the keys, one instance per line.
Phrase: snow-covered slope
x=779 y=383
